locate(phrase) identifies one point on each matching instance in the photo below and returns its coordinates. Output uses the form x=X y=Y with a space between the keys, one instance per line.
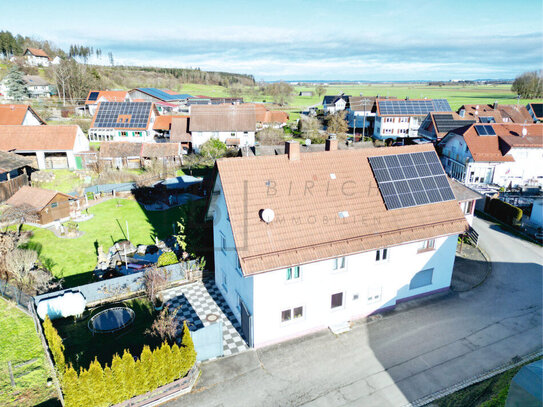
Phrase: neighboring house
x=330 y=144
x=124 y=154
x=36 y=57
x=234 y=125
x=49 y=147
x=306 y=93
x=536 y=111
x=495 y=154
x=50 y=206
x=481 y=113
x=400 y=119
x=37 y=86
x=305 y=241
x=361 y=112
x=466 y=197
x=96 y=96
x=269 y=118
x=163 y=126
x=19 y=114
x=437 y=125
x=14 y=173
x=515 y=114
x=123 y=121
x=179 y=133
x=333 y=104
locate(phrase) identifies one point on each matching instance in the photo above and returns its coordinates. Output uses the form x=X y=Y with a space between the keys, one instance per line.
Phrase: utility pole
x=365 y=101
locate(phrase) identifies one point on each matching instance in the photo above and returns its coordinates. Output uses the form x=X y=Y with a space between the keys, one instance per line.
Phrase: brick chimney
x=292 y=149
x=462 y=113
x=331 y=143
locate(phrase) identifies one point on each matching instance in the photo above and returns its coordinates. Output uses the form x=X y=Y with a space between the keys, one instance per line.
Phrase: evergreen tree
x=70 y=382
x=96 y=384
x=188 y=354
x=173 y=371
x=110 y=387
x=55 y=344
x=117 y=393
x=129 y=375
x=84 y=388
x=146 y=359
x=15 y=84
x=163 y=361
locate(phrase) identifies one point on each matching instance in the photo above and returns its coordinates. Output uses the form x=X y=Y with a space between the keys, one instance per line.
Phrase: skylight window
x=343 y=214
x=332 y=176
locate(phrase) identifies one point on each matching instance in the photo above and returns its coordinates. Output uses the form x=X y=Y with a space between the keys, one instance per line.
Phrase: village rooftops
x=107 y=95
x=494 y=147
x=164 y=123
x=215 y=118
x=481 y=113
x=43 y=138
x=515 y=114
x=164 y=95
x=362 y=103
x=180 y=130
x=325 y=205
x=11 y=114
x=462 y=193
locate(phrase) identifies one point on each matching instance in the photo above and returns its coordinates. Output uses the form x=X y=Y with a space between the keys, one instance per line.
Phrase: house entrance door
x=246 y=324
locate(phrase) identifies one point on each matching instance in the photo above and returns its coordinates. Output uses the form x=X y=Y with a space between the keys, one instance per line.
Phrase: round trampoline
x=111 y=320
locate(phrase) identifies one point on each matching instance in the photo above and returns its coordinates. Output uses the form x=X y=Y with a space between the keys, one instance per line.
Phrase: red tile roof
x=306 y=201
x=14 y=114
x=35 y=197
x=223 y=117
x=108 y=95
x=179 y=132
x=37 y=52
x=515 y=113
x=165 y=122
x=37 y=138
x=475 y=112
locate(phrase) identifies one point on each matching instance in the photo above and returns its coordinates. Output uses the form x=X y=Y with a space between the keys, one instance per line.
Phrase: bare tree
x=165 y=325
x=155 y=280
x=271 y=136
x=19 y=214
x=338 y=125
x=310 y=127
x=320 y=90
x=62 y=73
x=281 y=92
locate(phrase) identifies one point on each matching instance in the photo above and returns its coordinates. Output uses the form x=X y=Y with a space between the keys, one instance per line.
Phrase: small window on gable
x=339 y=263
x=381 y=255
x=427 y=245
x=54 y=204
x=293 y=273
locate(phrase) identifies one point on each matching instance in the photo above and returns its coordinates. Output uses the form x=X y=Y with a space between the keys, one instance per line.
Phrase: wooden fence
x=8 y=188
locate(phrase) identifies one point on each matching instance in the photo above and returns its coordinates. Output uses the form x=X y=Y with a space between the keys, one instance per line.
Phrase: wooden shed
x=48 y=205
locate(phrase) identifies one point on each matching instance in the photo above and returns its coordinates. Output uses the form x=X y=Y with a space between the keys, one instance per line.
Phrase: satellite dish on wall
x=267 y=215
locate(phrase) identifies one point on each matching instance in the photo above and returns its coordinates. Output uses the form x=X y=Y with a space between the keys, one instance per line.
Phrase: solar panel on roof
x=411 y=179
x=485 y=130
x=123 y=115
x=93 y=96
x=413 y=107
x=488 y=119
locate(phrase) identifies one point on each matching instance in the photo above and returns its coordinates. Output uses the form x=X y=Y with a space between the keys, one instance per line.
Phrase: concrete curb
x=488 y=271
x=423 y=401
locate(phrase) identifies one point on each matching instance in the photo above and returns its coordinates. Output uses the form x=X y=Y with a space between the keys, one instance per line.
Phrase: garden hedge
x=167 y=258
x=506 y=212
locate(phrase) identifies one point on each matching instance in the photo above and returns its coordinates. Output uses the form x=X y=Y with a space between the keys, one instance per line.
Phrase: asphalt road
x=420 y=348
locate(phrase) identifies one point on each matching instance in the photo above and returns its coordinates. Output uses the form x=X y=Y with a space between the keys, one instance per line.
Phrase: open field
x=81 y=347
x=19 y=343
x=75 y=259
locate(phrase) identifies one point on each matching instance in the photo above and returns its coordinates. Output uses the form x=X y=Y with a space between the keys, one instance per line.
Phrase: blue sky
x=290 y=40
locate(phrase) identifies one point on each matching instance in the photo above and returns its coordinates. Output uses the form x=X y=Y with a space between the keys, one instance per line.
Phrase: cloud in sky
x=397 y=44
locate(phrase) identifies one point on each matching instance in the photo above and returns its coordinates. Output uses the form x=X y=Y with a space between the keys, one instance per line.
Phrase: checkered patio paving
x=196 y=301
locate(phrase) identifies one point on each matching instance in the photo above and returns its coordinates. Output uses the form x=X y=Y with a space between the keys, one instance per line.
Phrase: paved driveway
x=422 y=347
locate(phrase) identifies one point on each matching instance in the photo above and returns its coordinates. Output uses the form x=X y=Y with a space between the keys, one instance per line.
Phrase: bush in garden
x=55 y=344
x=166 y=259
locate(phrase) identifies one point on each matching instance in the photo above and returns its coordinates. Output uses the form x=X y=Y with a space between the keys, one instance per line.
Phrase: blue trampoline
x=111 y=320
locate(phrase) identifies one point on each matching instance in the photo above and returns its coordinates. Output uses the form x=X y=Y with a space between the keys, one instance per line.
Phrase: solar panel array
x=446 y=122
x=484 y=130
x=135 y=115
x=165 y=96
x=412 y=179
x=487 y=119
x=413 y=107
x=93 y=96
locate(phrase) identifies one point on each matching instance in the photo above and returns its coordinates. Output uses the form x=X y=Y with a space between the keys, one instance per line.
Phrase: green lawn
x=19 y=343
x=488 y=393
x=74 y=259
x=65 y=181
x=81 y=347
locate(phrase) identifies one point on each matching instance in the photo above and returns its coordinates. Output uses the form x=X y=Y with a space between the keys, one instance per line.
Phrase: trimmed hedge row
x=166 y=258
x=55 y=344
x=506 y=212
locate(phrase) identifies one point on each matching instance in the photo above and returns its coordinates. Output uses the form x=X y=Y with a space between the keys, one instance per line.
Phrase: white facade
x=394 y=127
x=246 y=138
x=356 y=118
x=30 y=119
x=458 y=163
x=33 y=60
x=136 y=136
x=359 y=284
x=338 y=106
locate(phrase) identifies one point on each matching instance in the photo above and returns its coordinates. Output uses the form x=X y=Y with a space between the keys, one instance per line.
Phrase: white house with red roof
x=505 y=154
x=96 y=96
x=304 y=242
x=11 y=114
x=36 y=57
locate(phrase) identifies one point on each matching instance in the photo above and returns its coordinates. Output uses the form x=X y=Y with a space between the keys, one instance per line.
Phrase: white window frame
x=290 y=275
x=339 y=263
x=291 y=311
x=343 y=300
x=427 y=246
x=373 y=290
x=382 y=255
